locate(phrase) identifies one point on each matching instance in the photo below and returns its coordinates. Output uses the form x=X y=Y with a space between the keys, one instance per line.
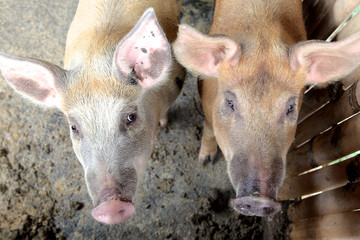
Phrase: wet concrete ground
x=42 y=188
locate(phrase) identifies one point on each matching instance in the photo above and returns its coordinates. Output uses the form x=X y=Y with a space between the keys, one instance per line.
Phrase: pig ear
x=325 y=61
x=202 y=54
x=143 y=56
x=34 y=79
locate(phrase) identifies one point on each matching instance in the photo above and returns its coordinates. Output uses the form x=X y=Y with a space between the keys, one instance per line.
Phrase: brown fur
x=246 y=89
x=265 y=31
x=253 y=67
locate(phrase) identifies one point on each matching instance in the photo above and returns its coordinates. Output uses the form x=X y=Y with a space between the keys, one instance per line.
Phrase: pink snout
x=256 y=206
x=113 y=211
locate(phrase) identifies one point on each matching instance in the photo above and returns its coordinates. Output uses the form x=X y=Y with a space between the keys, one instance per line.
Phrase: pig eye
x=130 y=118
x=290 y=108
x=291 y=112
x=230 y=104
x=75 y=130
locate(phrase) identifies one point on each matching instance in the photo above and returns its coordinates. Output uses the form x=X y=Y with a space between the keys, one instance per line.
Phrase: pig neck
x=263 y=25
x=98 y=26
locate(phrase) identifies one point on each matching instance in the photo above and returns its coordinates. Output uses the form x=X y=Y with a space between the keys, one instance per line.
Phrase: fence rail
x=324 y=184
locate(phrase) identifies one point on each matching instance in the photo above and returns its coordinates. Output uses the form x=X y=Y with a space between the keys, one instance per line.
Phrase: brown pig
x=253 y=66
x=118 y=82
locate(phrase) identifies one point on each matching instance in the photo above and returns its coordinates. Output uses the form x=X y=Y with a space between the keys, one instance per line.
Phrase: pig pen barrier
x=323 y=164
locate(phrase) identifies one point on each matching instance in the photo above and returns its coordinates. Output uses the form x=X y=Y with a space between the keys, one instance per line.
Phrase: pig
x=252 y=67
x=118 y=81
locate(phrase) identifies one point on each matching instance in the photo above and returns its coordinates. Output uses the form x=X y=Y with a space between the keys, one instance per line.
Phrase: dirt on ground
x=42 y=188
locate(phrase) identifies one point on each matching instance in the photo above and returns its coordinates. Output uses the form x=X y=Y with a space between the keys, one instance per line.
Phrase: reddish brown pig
x=253 y=66
x=119 y=82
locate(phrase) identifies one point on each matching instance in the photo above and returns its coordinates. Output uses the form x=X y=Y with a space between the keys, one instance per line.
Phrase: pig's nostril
x=245 y=207
x=256 y=206
x=268 y=210
x=113 y=211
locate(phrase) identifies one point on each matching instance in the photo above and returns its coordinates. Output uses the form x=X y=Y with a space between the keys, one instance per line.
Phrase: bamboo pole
x=327 y=178
x=318 y=96
x=335 y=226
x=339 y=200
x=338 y=142
x=331 y=114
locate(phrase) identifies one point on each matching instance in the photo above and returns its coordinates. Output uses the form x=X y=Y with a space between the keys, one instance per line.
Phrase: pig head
x=251 y=91
x=113 y=100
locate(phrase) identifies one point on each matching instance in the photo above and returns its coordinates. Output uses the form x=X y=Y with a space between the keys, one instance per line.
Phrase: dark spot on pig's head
x=143 y=50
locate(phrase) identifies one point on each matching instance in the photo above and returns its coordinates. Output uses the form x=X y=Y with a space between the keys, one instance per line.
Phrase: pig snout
x=256 y=184
x=255 y=205
x=112 y=209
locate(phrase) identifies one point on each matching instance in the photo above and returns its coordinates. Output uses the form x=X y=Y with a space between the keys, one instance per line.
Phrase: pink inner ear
x=202 y=54
x=145 y=50
x=326 y=61
x=32 y=80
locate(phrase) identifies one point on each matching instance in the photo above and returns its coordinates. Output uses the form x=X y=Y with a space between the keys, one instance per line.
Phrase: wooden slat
x=338 y=142
x=320 y=15
x=308 y=6
x=313 y=100
x=316 y=97
x=327 y=178
x=339 y=200
x=335 y=226
x=331 y=114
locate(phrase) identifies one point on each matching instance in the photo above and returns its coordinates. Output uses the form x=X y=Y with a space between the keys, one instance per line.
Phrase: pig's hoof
x=163 y=121
x=205 y=158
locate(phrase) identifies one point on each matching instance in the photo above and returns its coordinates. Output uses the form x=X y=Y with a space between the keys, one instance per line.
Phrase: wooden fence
x=324 y=184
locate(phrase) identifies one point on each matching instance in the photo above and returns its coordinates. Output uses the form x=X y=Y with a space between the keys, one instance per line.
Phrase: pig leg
x=164 y=120
x=208 y=147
